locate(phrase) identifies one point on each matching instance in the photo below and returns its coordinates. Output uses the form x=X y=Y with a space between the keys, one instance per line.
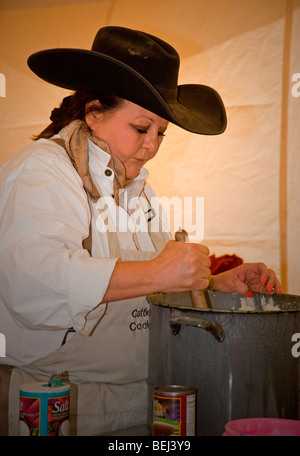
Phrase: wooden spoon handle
x=197 y=296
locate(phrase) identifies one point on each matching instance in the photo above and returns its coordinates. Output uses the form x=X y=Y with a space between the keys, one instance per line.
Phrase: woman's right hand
x=182 y=266
x=179 y=267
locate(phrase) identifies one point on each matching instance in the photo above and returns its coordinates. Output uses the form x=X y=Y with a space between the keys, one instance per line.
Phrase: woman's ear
x=92 y=115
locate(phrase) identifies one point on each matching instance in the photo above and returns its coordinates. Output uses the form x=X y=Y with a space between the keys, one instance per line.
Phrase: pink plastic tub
x=262 y=427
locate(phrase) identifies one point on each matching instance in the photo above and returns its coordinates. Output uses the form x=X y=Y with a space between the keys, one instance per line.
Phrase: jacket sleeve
x=48 y=281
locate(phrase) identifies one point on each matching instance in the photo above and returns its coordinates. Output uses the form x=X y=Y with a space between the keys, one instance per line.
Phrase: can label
x=174 y=411
x=44 y=414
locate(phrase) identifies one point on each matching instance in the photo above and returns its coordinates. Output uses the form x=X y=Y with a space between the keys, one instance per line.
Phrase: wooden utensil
x=197 y=296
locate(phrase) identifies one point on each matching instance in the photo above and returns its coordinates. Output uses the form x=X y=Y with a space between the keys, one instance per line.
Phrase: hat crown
x=153 y=58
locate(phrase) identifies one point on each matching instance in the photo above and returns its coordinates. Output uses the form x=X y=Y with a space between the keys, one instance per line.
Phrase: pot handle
x=216 y=330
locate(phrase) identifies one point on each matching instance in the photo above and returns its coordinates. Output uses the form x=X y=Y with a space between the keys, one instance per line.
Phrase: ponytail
x=73 y=107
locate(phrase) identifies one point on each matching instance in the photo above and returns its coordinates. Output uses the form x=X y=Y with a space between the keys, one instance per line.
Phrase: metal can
x=44 y=410
x=174 y=410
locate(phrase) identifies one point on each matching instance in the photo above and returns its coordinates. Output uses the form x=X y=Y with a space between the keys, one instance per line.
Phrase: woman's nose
x=152 y=142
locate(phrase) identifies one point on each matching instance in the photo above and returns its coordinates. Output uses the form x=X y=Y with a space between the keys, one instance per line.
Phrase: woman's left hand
x=246 y=279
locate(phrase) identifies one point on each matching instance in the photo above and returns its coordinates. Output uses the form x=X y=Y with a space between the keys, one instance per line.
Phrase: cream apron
x=107 y=371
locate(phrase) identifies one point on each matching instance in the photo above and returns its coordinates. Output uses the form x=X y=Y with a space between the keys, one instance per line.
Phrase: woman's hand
x=246 y=279
x=182 y=267
x=185 y=266
x=179 y=267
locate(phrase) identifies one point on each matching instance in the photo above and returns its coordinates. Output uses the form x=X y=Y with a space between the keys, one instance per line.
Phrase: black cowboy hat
x=140 y=68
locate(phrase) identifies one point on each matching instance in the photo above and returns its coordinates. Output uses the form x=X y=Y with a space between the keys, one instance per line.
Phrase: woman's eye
x=141 y=131
x=144 y=130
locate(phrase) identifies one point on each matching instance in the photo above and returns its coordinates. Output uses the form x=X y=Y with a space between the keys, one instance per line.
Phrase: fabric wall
x=249 y=52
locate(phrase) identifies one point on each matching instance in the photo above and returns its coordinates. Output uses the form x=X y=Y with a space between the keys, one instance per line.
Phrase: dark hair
x=74 y=107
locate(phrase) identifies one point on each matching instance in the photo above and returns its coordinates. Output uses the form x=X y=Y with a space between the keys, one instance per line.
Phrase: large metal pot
x=240 y=361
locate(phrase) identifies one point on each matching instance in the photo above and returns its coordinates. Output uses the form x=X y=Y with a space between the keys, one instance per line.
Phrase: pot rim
x=160 y=300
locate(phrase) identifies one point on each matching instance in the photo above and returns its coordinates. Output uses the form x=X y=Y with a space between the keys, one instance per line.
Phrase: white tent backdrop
x=251 y=204
x=249 y=52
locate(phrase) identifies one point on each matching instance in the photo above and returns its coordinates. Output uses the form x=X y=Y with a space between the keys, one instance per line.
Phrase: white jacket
x=48 y=282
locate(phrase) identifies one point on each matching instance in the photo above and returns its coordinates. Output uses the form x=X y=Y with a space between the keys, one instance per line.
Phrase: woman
x=75 y=269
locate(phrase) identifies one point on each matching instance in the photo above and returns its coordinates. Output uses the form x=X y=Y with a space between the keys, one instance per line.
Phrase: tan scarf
x=76 y=143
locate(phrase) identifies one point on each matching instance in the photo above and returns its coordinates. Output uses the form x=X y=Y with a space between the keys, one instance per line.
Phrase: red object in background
x=224 y=263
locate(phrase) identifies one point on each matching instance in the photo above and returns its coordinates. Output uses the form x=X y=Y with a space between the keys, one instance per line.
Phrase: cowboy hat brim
x=197 y=108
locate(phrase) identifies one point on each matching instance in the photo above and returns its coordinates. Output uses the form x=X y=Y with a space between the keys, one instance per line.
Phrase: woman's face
x=132 y=133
